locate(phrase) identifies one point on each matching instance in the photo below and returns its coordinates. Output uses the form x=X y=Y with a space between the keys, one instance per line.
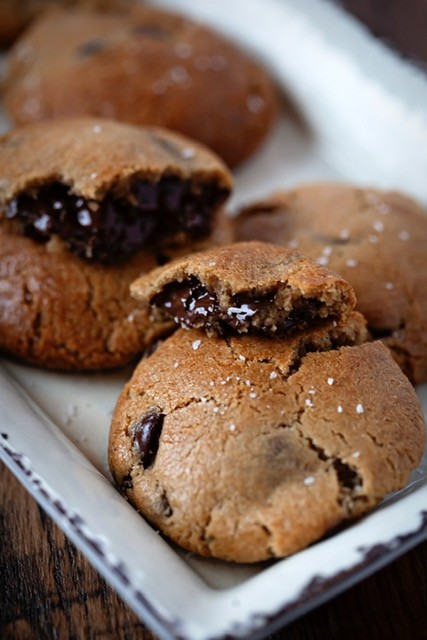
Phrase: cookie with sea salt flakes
x=375 y=240
x=86 y=207
x=253 y=448
x=146 y=67
x=109 y=189
x=245 y=287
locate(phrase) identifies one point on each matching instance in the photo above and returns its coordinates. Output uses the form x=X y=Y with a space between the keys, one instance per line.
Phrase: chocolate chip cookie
x=108 y=189
x=145 y=67
x=87 y=206
x=249 y=447
x=375 y=240
x=245 y=287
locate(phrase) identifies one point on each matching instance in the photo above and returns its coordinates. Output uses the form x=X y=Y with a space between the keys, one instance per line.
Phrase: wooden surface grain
x=48 y=590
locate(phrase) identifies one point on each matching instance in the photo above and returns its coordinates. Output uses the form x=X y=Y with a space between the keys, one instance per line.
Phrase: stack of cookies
x=264 y=412
x=266 y=419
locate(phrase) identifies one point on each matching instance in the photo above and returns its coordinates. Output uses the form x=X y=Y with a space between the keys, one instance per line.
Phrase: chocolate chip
x=114 y=228
x=146 y=432
x=188 y=301
x=90 y=48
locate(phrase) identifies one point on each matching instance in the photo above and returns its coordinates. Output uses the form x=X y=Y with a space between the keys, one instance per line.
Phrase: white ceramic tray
x=358 y=113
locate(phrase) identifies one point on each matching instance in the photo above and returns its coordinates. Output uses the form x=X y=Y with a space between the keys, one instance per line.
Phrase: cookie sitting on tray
x=376 y=240
x=245 y=287
x=249 y=446
x=87 y=205
x=146 y=67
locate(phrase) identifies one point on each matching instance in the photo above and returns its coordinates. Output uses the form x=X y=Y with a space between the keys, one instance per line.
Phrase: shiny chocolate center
x=112 y=229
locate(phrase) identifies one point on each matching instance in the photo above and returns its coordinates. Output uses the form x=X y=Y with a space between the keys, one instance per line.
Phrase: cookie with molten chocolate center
x=245 y=287
x=109 y=189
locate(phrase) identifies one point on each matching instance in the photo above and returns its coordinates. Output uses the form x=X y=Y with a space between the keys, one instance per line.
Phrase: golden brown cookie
x=109 y=189
x=146 y=67
x=249 y=448
x=375 y=240
x=245 y=287
x=87 y=207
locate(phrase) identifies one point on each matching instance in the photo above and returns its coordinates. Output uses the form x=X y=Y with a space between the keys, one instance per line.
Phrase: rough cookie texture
x=250 y=448
x=375 y=240
x=109 y=189
x=61 y=312
x=247 y=286
x=147 y=67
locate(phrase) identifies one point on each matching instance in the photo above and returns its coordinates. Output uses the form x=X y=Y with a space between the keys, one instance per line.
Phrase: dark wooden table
x=48 y=590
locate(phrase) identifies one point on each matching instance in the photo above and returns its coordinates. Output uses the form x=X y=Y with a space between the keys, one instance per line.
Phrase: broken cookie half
x=248 y=287
x=108 y=190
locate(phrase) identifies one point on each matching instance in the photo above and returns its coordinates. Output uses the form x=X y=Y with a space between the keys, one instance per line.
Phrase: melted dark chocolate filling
x=113 y=229
x=146 y=436
x=192 y=305
x=189 y=302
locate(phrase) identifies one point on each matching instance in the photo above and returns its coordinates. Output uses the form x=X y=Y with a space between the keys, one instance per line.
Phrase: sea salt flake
x=330 y=381
x=293 y=244
x=232 y=427
x=356 y=454
x=340 y=409
x=273 y=375
x=351 y=262
x=344 y=234
x=360 y=408
x=242 y=358
x=255 y=103
x=252 y=394
x=378 y=226
x=176 y=365
x=97 y=128
x=389 y=286
x=183 y=50
x=187 y=153
x=373 y=239
x=196 y=344
x=309 y=402
x=404 y=235
x=309 y=480
x=322 y=260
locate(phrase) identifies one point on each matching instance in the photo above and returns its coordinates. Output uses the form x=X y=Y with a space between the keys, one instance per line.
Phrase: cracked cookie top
x=245 y=287
x=108 y=189
x=146 y=67
x=247 y=448
x=375 y=240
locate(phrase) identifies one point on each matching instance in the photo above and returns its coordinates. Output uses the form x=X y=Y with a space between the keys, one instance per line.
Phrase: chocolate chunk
x=146 y=433
x=189 y=302
x=113 y=229
x=90 y=48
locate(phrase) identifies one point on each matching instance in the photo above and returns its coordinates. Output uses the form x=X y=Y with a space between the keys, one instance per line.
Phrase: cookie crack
x=349 y=480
